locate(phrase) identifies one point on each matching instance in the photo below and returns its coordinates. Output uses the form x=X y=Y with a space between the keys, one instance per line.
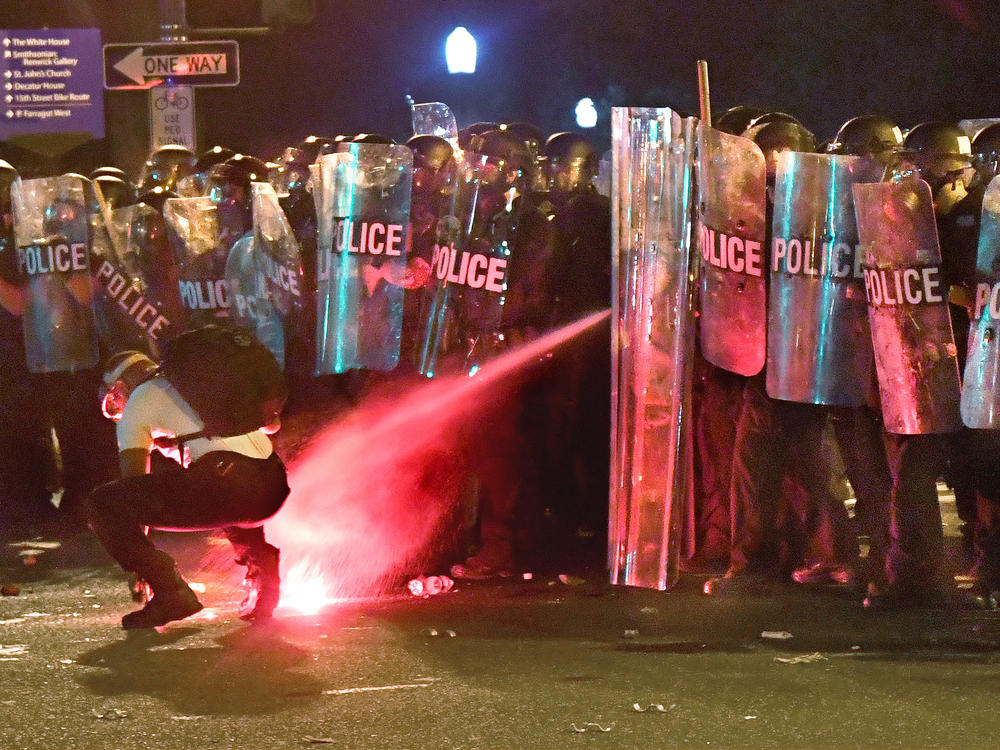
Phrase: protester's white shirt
x=155 y=409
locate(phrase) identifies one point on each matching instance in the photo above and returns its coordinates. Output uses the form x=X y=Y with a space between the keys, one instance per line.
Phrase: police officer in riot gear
x=867 y=135
x=773 y=436
x=166 y=166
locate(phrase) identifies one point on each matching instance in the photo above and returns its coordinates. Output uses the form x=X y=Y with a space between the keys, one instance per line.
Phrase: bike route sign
x=51 y=82
x=144 y=65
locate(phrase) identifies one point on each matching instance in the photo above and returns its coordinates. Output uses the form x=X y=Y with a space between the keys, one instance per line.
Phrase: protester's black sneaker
x=263 y=586
x=163 y=608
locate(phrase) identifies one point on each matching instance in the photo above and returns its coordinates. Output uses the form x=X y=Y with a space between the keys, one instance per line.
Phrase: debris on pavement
x=803 y=659
x=112 y=714
x=10 y=589
x=570 y=580
x=13 y=650
x=320 y=740
x=778 y=635
x=590 y=727
x=652 y=707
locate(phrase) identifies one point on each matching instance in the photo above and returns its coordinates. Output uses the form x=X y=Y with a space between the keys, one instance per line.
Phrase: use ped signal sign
x=141 y=66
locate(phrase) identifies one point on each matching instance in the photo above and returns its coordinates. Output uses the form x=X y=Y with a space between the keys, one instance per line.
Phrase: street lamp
x=586 y=113
x=460 y=51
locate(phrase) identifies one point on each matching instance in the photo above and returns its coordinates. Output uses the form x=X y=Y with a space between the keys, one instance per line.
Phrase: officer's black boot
x=172 y=598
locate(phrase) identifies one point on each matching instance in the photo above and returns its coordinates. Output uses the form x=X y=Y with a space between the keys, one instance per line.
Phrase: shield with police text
x=252 y=306
x=133 y=311
x=51 y=225
x=731 y=233
x=915 y=354
x=277 y=251
x=201 y=247
x=361 y=264
x=653 y=332
x=980 y=404
x=818 y=339
x=467 y=323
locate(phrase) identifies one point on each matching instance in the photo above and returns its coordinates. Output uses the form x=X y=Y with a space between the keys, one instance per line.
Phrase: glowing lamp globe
x=460 y=51
x=586 y=113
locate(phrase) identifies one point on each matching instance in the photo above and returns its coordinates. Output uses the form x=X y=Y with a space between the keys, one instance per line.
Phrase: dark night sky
x=349 y=70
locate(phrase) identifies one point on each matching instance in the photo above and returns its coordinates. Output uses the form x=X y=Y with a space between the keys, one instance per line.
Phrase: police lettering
x=205 y=294
x=474 y=270
x=371 y=237
x=280 y=275
x=796 y=257
x=731 y=252
x=902 y=286
x=246 y=307
x=126 y=296
x=58 y=258
x=988 y=300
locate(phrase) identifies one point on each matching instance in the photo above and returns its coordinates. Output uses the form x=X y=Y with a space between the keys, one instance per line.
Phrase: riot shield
x=278 y=254
x=434 y=118
x=364 y=213
x=200 y=250
x=980 y=405
x=252 y=307
x=915 y=354
x=467 y=322
x=731 y=233
x=653 y=344
x=53 y=249
x=818 y=339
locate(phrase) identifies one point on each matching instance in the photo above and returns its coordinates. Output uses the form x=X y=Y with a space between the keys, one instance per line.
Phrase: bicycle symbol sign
x=173 y=100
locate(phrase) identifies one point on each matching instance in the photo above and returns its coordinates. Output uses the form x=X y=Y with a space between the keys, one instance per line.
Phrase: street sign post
x=146 y=64
x=171 y=117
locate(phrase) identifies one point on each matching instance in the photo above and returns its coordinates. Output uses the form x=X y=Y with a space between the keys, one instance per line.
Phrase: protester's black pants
x=220 y=490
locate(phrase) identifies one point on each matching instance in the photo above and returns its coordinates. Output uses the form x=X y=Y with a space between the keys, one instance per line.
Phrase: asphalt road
x=510 y=664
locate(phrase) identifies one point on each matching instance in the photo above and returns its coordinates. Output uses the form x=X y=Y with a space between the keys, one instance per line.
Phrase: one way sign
x=141 y=66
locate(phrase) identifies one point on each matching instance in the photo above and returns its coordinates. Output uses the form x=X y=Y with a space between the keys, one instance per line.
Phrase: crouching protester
x=210 y=406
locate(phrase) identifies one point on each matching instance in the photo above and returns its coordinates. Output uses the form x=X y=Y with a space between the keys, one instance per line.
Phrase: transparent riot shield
x=366 y=202
x=915 y=354
x=252 y=307
x=653 y=344
x=278 y=254
x=201 y=249
x=53 y=249
x=476 y=311
x=818 y=339
x=731 y=234
x=980 y=403
x=434 y=118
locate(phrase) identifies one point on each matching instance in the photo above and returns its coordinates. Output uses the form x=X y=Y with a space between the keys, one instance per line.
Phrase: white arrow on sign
x=138 y=67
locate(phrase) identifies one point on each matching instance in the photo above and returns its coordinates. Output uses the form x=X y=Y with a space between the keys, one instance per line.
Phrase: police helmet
x=941 y=151
x=570 y=161
x=986 y=149
x=256 y=170
x=867 y=135
x=156 y=197
x=736 y=119
x=211 y=157
x=780 y=135
x=166 y=166
x=314 y=145
x=113 y=171
x=115 y=191
x=430 y=151
x=767 y=117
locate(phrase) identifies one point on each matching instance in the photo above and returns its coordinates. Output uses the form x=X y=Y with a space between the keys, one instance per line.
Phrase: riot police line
x=343 y=255
x=844 y=284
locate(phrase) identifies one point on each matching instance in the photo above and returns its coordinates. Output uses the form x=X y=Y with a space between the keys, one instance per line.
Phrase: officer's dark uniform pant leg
x=916 y=540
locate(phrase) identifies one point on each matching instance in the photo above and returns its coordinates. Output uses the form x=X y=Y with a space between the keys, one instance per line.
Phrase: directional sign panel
x=51 y=82
x=141 y=66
